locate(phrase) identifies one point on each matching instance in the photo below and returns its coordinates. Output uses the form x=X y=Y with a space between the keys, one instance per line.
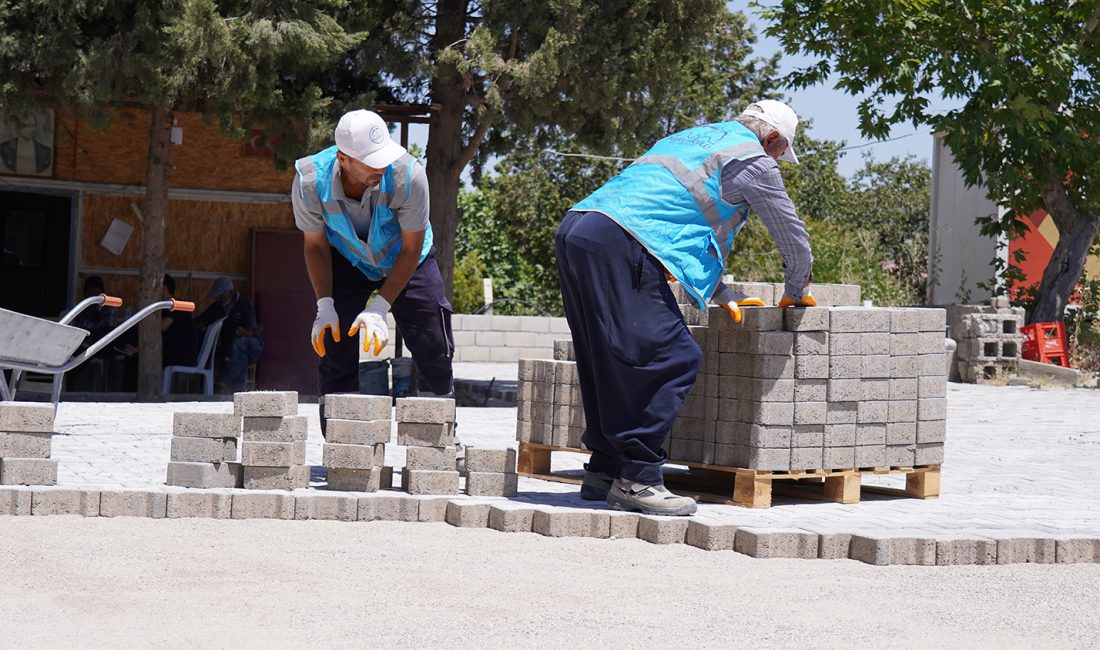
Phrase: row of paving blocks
x=988 y=340
x=828 y=387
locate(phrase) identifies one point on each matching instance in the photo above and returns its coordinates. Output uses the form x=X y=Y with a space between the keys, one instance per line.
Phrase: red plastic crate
x=1046 y=343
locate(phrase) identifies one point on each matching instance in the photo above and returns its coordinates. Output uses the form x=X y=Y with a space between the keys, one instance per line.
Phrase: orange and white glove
x=732 y=301
x=373 y=320
x=326 y=320
x=807 y=301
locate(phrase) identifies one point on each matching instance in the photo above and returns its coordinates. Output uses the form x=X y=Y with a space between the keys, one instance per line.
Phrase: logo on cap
x=376 y=135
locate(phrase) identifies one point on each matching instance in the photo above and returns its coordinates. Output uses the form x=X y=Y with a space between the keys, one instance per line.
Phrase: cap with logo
x=782 y=117
x=364 y=136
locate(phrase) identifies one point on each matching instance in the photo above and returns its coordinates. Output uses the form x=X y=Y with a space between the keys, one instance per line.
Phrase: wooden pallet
x=753 y=488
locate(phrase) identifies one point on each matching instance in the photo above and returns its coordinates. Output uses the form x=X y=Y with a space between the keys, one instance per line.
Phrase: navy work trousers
x=421 y=312
x=636 y=359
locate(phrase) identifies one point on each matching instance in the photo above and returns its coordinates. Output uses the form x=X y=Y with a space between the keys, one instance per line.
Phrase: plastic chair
x=206 y=358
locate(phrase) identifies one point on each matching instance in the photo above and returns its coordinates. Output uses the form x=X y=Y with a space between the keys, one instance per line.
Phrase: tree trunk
x=151 y=277
x=1076 y=234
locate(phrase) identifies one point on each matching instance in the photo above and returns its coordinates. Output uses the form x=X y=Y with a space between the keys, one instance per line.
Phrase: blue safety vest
x=670 y=200
x=376 y=256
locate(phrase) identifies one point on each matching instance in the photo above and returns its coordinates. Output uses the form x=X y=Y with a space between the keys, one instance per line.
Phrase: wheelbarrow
x=29 y=344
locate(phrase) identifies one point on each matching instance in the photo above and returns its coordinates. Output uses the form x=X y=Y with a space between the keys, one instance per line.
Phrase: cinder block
x=388 y=507
x=468 y=515
x=840 y=435
x=265 y=404
x=431 y=458
x=353 y=406
x=903 y=388
x=833 y=546
x=418 y=481
x=870 y=456
x=842 y=413
x=845 y=367
x=26 y=417
x=54 y=501
x=806 y=457
x=276 y=454
x=900 y=455
x=932 y=387
x=28 y=471
x=623 y=526
x=811 y=390
x=838 y=457
x=491 y=484
x=870 y=433
x=846 y=344
x=285 y=429
x=877 y=366
x=262 y=505
x=204 y=475
x=295 y=477
x=774 y=543
x=430 y=410
x=966 y=552
x=710 y=537
x=349 y=456
x=511 y=520
x=133 y=503
x=1026 y=550
x=759 y=319
x=567 y=523
x=24 y=444
x=433 y=510
x=811 y=367
x=663 y=530
x=330 y=507
x=932 y=408
x=1077 y=551
x=845 y=390
x=929 y=454
x=806 y=319
x=928 y=431
x=892 y=551
x=423 y=434
x=859 y=319
x=809 y=413
x=901 y=433
x=15 y=501
x=204 y=450
x=902 y=411
x=208 y=504
x=206 y=425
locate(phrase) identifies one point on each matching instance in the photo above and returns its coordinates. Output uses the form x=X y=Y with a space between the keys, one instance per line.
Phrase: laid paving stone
x=62 y=501
x=28 y=471
x=425 y=409
x=834 y=546
x=772 y=543
x=432 y=510
x=480 y=459
x=295 y=477
x=354 y=480
x=15 y=501
x=206 y=425
x=262 y=505
x=511 y=520
x=491 y=484
x=274 y=454
x=662 y=530
x=710 y=536
x=26 y=417
x=887 y=551
x=1026 y=550
x=569 y=523
x=388 y=507
x=207 y=504
x=352 y=406
x=1066 y=551
x=467 y=515
x=418 y=481
x=292 y=428
x=265 y=404
x=966 y=551
x=204 y=475
x=332 y=507
x=133 y=503
x=203 y=450
x=623 y=526
x=24 y=444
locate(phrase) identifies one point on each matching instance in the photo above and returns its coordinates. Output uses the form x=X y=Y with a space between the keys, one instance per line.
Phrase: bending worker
x=363 y=206
x=673 y=212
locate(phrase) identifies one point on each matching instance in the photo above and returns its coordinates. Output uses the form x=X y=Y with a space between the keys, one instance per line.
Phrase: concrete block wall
x=988 y=339
x=498 y=339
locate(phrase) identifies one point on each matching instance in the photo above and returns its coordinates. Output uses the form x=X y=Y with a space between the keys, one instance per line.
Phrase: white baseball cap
x=782 y=117
x=364 y=136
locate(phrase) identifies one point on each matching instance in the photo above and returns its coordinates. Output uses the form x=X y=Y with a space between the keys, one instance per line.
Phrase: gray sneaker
x=648 y=499
x=596 y=485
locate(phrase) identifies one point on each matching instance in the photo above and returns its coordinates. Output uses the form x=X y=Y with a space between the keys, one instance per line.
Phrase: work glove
x=373 y=319
x=732 y=301
x=807 y=301
x=326 y=320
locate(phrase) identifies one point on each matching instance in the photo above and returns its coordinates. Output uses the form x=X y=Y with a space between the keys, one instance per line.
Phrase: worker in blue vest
x=363 y=206
x=673 y=213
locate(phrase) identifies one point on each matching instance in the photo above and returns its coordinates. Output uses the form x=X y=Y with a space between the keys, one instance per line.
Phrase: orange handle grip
x=111 y=301
x=182 y=305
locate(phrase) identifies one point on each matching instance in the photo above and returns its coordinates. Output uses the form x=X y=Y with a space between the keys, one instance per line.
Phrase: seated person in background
x=96 y=319
x=179 y=337
x=239 y=344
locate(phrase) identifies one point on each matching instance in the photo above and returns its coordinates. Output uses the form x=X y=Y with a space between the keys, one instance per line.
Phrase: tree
x=240 y=63
x=1024 y=76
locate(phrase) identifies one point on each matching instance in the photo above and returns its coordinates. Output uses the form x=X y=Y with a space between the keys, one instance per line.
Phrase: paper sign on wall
x=117 y=235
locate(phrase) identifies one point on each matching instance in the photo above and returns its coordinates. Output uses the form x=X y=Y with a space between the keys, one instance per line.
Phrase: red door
x=285 y=308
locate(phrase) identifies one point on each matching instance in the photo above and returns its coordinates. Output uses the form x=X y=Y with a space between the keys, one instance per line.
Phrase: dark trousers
x=423 y=317
x=636 y=359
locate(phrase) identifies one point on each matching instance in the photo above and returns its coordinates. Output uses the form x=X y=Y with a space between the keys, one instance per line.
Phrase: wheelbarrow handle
x=110 y=301
x=182 y=305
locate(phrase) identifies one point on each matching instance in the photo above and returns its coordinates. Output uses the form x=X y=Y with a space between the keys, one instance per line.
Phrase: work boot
x=596 y=485
x=648 y=499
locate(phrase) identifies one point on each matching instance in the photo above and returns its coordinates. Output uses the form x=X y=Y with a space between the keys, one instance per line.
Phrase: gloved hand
x=732 y=301
x=326 y=319
x=373 y=318
x=807 y=301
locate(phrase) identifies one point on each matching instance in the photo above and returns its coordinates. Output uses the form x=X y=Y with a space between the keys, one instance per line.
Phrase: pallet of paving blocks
x=273 y=451
x=26 y=441
x=357 y=428
x=824 y=393
x=426 y=426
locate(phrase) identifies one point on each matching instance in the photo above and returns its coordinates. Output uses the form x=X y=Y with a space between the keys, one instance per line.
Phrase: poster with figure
x=26 y=143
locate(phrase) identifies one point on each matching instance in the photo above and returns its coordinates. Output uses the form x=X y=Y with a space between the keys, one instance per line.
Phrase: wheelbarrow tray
x=37 y=341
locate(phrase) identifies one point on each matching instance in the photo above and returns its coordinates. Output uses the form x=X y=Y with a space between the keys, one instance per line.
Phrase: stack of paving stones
x=826 y=295
x=204 y=450
x=273 y=453
x=26 y=440
x=803 y=389
x=988 y=339
x=357 y=429
x=491 y=472
x=426 y=426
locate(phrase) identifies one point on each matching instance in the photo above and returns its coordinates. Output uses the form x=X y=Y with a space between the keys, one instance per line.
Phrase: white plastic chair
x=206 y=358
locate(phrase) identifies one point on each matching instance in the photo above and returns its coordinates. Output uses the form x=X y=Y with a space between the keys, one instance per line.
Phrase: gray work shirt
x=412 y=214
x=756 y=181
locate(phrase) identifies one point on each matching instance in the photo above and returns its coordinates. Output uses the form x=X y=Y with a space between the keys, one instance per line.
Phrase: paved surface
x=1020 y=463
x=120 y=583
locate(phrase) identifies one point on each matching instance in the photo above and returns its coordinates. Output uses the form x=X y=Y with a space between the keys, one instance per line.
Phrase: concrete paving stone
x=933 y=320
x=563 y=350
x=432 y=510
x=931 y=342
x=63 y=501
x=859 y=319
x=836 y=294
x=839 y=435
x=875 y=389
x=900 y=455
x=526 y=370
x=905 y=344
x=133 y=503
x=811 y=367
x=806 y=319
x=838 y=457
x=426 y=434
x=432 y=458
x=204 y=475
x=1067 y=551
x=774 y=366
x=769 y=459
x=571 y=523
x=208 y=504
x=279 y=429
x=811 y=343
x=28 y=471
x=951 y=552
x=1026 y=550
x=206 y=425
x=355 y=480
x=294 y=477
x=806 y=457
x=931 y=365
x=877 y=366
x=842 y=412
x=662 y=530
x=904 y=319
x=418 y=481
x=890 y=551
x=468 y=515
x=491 y=484
x=262 y=505
x=845 y=367
x=427 y=410
x=902 y=410
x=928 y=454
x=929 y=431
x=265 y=403
x=768 y=436
x=872 y=412
x=511 y=520
x=932 y=408
x=905 y=367
x=870 y=433
x=385 y=481
x=874 y=344
x=773 y=543
x=903 y=389
x=203 y=450
x=811 y=390
x=279 y=454
x=870 y=456
x=331 y=507
x=810 y=413
x=779 y=343
x=353 y=406
x=771 y=413
x=388 y=507
x=15 y=501
x=756 y=319
x=808 y=436
x=766 y=390
x=710 y=536
x=932 y=387
x=379 y=454
x=834 y=546
x=25 y=444
x=846 y=344
x=26 y=417
x=350 y=456
x=845 y=390
x=623 y=526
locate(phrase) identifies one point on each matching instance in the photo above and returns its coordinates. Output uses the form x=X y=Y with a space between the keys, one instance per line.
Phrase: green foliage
x=468 y=291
